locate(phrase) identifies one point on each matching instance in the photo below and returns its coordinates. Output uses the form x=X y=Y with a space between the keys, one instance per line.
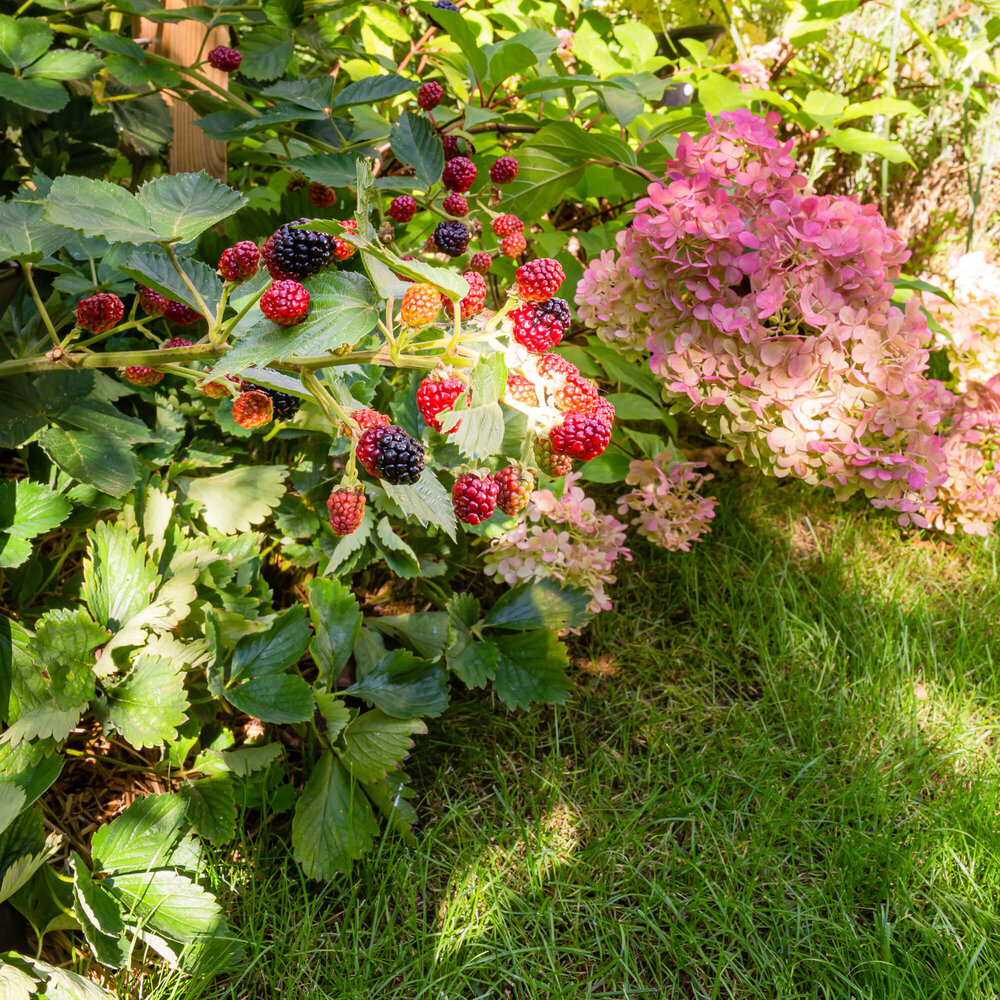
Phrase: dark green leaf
x=39 y=95
x=270 y=652
x=145 y=836
x=182 y=206
x=531 y=668
x=414 y=142
x=64 y=64
x=336 y=619
x=22 y=40
x=274 y=698
x=92 y=457
x=375 y=744
x=64 y=645
x=211 y=808
x=333 y=824
x=267 y=51
x=424 y=632
x=373 y=89
x=404 y=686
x=539 y=604
x=156 y=271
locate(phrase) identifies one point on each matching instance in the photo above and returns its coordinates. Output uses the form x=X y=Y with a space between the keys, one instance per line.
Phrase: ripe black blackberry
x=284 y=403
x=301 y=252
x=400 y=458
x=451 y=238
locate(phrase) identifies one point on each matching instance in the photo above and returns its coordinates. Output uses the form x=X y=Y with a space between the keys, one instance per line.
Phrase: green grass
x=777 y=778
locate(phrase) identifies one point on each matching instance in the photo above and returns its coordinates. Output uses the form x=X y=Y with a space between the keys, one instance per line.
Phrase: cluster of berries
x=476 y=498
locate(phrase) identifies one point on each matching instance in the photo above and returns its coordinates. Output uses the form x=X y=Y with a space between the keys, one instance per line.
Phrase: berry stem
x=42 y=311
x=231 y=325
x=332 y=410
x=195 y=294
x=111 y=359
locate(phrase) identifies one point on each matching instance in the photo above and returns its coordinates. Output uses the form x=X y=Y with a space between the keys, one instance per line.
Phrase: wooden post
x=192 y=149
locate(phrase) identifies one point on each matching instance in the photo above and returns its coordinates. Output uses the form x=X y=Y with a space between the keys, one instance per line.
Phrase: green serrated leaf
x=99 y=208
x=96 y=458
x=234 y=500
x=270 y=652
x=389 y=796
x=211 y=808
x=539 y=604
x=475 y=662
x=267 y=51
x=531 y=668
x=98 y=905
x=247 y=760
x=157 y=272
x=334 y=711
x=414 y=142
x=404 y=686
x=274 y=698
x=38 y=95
x=477 y=430
x=44 y=722
x=12 y=803
x=375 y=744
x=336 y=619
x=64 y=646
x=333 y=824
x=399 y=557
x=149 y=704
x=27 y=509
x=373 y=89
x=64 y=64
x=342 y=310
x=181 y=207
x=145 y=836
x=118 y=578
x=25 y=234
x=426 y=500
x=22 y=40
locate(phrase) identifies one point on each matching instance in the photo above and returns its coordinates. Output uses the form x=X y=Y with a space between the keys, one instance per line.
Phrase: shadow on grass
x=776 y=778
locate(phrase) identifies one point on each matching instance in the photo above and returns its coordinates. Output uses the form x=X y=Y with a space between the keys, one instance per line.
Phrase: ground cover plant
x=293 y=459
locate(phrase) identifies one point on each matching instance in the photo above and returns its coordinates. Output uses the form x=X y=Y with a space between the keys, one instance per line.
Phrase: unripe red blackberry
x=539 y=326
x=366 y=418
x=507 y=225
x=455 y=204
x=474 y=301
x=179 y=314
x=437 y=395
x=342 y=249
x=459 y=174
x=402 y=208
x=515 y=486
x=429 y=95
x=153 y=302
x=549 y=365
x=504 y=170
x=520 y=390
x=539 y=279
x=421 y=305
x=240 y=262
x=99 y=313
x=252 y=409
x=480 y=262
x=577 y=394
x=142 y=375
x=321 y=195
x=581 y=436
x=175 y=342
x=217 y=389
x=285 y=303
x=474 y=499
x=451 y=238
x=604 y=410
x=224 y=58
x=346 y=507
x=549 y=462
x=513 y=245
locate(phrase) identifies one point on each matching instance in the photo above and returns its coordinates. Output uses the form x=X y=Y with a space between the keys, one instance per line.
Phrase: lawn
x=776 y=778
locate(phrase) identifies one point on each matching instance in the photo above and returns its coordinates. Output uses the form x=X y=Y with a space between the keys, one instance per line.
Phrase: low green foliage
x=775 y=778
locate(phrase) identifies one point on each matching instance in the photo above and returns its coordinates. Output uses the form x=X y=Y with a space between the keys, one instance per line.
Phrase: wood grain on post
x=192 y=149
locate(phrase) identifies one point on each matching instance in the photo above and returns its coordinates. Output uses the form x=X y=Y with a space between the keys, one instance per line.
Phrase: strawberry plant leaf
x=211 y=808
x=19 y=872
x=274 y=698
x=118 y=578
x=12 y=803
x=474 y=662
x=389 y=795
x=98 y=905
x=64 y=645
x=149 y=704
x=398 y=556
x=247 y=760
x=336 y=619
x=375 y=744
x=333 y=823
x=272 y=651
x=44 y=722
x=404 y=686
x=539 y=604
x=334 y=712
x=531 y=668
x=27 y=509
x=232 y=501
x=147 y=835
